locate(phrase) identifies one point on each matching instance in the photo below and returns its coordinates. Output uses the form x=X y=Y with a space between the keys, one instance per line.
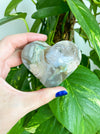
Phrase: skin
x=14 y=104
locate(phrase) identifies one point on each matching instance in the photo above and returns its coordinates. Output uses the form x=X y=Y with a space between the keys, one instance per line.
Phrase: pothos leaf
x=79 y=111
x=44 y=117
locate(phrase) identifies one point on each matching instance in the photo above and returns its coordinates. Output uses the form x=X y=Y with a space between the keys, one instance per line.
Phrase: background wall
x=18 y=26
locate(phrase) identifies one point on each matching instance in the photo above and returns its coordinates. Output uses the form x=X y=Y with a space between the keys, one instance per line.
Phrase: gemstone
x=51 y=64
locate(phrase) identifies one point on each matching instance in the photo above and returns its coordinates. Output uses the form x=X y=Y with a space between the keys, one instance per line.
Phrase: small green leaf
x=94 y=57
x=50 y=11
x=12 y=17
x=87 y=22
x=79 y=111
x=12 y=5
x=85 y=61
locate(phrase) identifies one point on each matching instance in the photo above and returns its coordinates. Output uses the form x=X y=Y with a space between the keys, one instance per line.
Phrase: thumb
x=35 y=99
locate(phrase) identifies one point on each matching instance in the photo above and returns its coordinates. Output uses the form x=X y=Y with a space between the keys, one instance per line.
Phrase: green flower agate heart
x=51 y=64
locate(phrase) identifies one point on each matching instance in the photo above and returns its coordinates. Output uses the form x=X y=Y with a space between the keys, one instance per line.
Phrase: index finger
x=10 y=43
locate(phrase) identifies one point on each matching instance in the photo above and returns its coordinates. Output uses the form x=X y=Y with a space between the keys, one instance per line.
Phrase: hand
x=14 y=104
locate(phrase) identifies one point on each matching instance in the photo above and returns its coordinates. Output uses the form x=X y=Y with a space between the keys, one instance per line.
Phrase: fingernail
x=61 y=93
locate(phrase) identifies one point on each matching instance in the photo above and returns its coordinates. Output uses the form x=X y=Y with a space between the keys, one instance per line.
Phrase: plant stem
x=33 y=2
x=27 y=27
x=98 y=14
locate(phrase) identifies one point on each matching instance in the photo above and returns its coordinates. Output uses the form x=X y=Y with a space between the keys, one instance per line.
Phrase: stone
x=51 y=64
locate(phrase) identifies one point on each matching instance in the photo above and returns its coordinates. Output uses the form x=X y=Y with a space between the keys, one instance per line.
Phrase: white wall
x=18 y=26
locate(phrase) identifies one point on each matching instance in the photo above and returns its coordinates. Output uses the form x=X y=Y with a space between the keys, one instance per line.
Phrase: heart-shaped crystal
x=51 y=64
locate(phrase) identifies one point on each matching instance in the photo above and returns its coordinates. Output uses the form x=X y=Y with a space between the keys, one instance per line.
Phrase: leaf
x=50 y=11
x=87 y=22
x=85 y=61
x=79 y=111
x=49 y=28
x=18 y=78
x=12 y=5
x=51 y=126
x=35 y=26
x=18 y=128
x=38 y=118
x=97 y=72
x=44 y=122
x=94 y=57
x=12 y=17
x=44 y=3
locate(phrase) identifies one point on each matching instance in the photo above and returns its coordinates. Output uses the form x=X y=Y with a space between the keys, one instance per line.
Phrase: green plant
x=79 y=112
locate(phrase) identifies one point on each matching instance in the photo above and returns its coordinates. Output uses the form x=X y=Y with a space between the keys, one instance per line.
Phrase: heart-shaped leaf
x=79 y=111
x=87 y=22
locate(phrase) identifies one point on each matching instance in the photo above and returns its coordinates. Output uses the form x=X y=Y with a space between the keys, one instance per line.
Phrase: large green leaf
x=21 y=79
x=94 y=57
x=87 y=22
x=43 y=114
x=50 y=11
x=49 y=3
x=43 y=122
x=12 y=17
x=12 y=5
x=51 y=126
x=79 y=111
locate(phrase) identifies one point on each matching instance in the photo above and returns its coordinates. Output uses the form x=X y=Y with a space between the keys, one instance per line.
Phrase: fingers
x=15 y=59
x=15 y=104
x=33 y=100
x=10 y=43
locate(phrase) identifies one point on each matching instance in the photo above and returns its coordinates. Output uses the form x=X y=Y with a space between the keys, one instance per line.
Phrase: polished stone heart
x=51 y=64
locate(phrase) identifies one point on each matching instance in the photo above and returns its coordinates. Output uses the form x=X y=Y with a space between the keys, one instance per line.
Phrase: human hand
x=14 y=104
